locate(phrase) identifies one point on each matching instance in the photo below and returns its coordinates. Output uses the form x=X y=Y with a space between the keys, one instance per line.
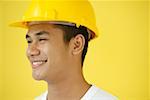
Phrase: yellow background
x=116 y=62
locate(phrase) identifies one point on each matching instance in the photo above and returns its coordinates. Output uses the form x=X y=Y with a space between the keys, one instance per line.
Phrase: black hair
x=72 y=31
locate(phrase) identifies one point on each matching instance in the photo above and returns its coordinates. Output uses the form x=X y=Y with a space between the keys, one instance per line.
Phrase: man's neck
x=72 y=88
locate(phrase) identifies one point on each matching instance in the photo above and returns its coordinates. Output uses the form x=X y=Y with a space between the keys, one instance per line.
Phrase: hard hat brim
x=24 y=24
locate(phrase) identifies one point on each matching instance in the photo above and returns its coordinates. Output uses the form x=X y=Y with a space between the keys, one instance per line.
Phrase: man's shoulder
x=95 y=93
x=42 y=96
x=104 y=95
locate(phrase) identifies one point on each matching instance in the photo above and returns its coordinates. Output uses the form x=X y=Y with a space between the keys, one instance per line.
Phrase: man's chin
x=37 y=77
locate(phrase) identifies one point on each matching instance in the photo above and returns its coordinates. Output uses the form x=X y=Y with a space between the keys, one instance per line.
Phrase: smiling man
x=58 y=36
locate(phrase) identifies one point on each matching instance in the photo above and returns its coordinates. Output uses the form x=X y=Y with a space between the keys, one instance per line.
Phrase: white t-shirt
x=93 y=93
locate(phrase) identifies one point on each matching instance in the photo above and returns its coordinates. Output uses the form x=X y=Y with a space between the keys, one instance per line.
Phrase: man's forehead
x=43 y=27
x=38 y=27
x=46 y=25
x=34 y=25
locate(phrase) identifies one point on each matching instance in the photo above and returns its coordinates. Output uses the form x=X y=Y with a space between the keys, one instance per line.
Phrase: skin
x=57 y=63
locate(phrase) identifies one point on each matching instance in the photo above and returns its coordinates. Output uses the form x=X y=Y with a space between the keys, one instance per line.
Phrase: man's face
x=47 y=52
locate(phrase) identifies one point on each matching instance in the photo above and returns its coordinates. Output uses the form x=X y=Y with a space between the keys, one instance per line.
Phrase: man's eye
x=42 y=39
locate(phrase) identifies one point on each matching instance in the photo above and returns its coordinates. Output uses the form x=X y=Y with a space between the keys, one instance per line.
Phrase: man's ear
x=77 y=44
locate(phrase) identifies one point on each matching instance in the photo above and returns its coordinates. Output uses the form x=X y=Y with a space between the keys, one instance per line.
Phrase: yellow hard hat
x=77 y=12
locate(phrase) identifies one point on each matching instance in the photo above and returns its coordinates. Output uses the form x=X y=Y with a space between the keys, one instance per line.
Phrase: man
x=58 y=35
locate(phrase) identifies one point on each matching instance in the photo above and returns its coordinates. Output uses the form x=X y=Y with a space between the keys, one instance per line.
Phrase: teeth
x=37 y=63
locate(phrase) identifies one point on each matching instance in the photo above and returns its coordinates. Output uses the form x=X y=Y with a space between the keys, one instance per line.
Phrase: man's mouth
x=38 y=63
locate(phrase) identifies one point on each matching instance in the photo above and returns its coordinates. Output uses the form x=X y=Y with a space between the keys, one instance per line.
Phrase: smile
x=38 y=63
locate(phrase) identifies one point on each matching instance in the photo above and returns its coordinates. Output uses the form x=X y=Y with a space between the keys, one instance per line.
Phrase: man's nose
x=33 y=50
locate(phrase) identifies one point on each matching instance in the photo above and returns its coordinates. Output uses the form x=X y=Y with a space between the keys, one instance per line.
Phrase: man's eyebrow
x=42 y=33
x=38 y=34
